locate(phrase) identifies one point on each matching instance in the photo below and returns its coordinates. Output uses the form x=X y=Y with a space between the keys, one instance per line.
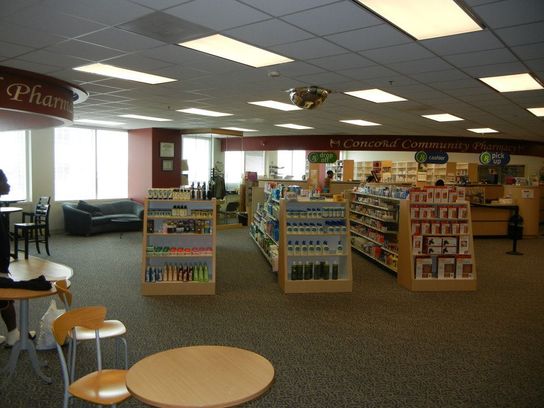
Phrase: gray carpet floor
x=380 y=346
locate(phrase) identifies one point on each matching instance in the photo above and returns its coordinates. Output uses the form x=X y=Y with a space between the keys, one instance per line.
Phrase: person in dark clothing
x=6 y=306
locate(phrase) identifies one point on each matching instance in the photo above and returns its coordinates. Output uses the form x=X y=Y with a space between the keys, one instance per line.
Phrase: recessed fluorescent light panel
x=512 y=83
x=239 y=129
x=536 y=111
x=360 y=122
x=276 y=105
x=203 y=112
x=443 y=117
x=424 y=19
x=122 y=73
x=483 y=130
x=293 y=126
x=146 y=118
x=375 y=95
x=98 y=122
x=234 y=50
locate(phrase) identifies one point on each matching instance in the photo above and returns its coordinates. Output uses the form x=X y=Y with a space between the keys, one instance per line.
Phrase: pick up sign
x=494 y=158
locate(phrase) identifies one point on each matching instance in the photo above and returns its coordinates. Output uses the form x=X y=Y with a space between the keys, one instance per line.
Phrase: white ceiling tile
x=226 y=13
x=12 y=7
x=496 y=69
x=30 y=66
x=297 y=68
x=267 y=33
x=422 y=65
x=57 y=60
x=160 y=4
x=531 y=51
x=458 y=84
x=56 y=23
x=397 y=53
x=306 y=49
x=470 y=59
x=84 y=50
x=137 y=62
x=536 y=64
x=463 y=43
x=522 y=34
x=369 y=38
x=340 y=62
x=120 y=40
x=328 y=80
x=282 y=7
x=511 y=12
x=366 y=73
x=34 y=38
x=8 y=50
x=334 y=18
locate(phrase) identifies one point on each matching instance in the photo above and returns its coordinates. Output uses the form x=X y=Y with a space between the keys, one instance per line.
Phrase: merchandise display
x=374 y=217
x=436 y=246
x=176 y=230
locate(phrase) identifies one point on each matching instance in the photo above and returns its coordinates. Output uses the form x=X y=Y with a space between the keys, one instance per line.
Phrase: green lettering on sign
x=322 y=157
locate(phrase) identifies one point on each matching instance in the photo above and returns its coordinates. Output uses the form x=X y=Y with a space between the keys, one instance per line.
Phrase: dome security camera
x=308 y=97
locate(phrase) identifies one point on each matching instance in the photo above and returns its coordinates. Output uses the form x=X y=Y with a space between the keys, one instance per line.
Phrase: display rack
x=314 y=246
x=436 y=250
x=264 y=230
x=445 y=171
x=382 y=169
x=467 y=172
x=404 y=172
x=178 y=251
x=374 y=219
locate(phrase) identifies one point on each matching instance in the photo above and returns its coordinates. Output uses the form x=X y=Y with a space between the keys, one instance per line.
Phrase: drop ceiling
x=338 y=45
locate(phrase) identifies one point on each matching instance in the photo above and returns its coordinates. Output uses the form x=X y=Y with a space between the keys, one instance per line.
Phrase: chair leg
x=125 y=349
x=46 y=234
x=16 y=243
x=26 y=231
x=37 y=239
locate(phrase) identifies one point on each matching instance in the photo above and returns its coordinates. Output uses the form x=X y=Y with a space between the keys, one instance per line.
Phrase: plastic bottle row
x=322 y=212
x=303 y=248
x=180 y=226
x=328 y=227
x=154 y=250
x=187 y=272
x=314 y=270
x=180 y=211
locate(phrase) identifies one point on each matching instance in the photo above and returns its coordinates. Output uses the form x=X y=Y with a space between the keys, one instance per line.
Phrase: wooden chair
x=109 y=329
x=103 y=386
x=36 y=229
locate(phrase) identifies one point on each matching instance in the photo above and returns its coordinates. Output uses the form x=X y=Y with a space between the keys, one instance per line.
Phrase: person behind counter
x=6 y=306
x=439 y=182
x=327 y=181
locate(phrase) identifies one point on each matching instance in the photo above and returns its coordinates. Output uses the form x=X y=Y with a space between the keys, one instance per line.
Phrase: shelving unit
x=446 y=172
x=264 y=228
x=374 y=218
x=436 y=250
x=343 y=170
x=178 y=251
x=382 y=168
x=314 y=246
x=469 y=171
x=404 y=172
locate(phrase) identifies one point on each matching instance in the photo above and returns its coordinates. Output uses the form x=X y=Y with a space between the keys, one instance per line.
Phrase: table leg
x=25 y=343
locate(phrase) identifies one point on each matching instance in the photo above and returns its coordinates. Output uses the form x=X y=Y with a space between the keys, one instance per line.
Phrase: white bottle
x=339 y=248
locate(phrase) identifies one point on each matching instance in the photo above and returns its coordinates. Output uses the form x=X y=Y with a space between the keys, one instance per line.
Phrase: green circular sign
x=421 y=157
x=322 y=157
x=485 y=158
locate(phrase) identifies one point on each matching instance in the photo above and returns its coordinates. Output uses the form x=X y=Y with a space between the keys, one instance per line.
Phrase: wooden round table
x=26 y=269
x=200 y=376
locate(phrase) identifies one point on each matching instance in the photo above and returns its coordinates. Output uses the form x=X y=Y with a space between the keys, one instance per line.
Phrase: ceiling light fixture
x=203 y=112
x=276 y=105
x=443 y=117
x=99 y=122
x=236 y=51
x=239 y=129
x=293 y=126
x=122 y=73
x=360 y=122
x=146 y=118
x=375 y=95
x=483 y=130
x=512 y=83
x=424 y=19
x=536 y=111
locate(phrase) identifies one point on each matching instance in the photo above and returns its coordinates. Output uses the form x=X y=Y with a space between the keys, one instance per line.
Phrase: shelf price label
x=431 y=157
x=494 y=158
x=322 y=157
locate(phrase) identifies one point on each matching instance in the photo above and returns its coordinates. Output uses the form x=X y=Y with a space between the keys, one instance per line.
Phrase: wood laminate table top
x=200 y=376
x=26 y=269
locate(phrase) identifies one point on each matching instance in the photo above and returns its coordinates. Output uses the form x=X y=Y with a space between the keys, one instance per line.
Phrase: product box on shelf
x=445 y=267
x=464 y=245
x=463 y=268
x=417 y=244
x=424 y=268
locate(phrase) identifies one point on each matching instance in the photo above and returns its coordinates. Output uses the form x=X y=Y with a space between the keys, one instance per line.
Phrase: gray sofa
x=83 y=218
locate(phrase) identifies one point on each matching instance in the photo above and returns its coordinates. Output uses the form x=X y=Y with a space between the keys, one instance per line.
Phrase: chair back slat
x=91 y=317
x=64 y=293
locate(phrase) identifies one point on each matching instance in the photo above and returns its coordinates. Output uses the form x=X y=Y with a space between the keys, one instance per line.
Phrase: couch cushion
x=85 y=206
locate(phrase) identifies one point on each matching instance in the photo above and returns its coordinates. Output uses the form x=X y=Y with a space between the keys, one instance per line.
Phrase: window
x=292 y=163
x=13 y=161
x=197 y=152
x=90 y=164
x=255 y=162
x=234 y=169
